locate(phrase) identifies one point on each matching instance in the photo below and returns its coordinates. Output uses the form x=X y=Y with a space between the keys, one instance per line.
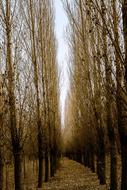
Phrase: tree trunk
x=36 y=83
x=12 y=109
x=86 y=159
x=1 y=173
x=52 y=164
x=113 y=167
x=24 y=167
x=40 y=172
x=124 y=10
x=79 y=156
x=46 y=166
x=123 y=117
x=7 y=176
x=113 y=152
x=40 y=161
x=101 y=158
x=124 y=167
x=55 y=161
x=18 y=171
x=122 y=124
x=101 y=169
x=92 y=164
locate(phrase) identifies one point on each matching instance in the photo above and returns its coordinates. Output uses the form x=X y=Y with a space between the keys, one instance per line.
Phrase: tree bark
x=40 y=172
x=92 y=164
x=12 y=110
x=40 y=157
x=18 y=171
x=101 y=157
x=1 y=172
x=113 y=167
x=124 y=166
x=36 y=83
x=46 y=166
x=123 y=115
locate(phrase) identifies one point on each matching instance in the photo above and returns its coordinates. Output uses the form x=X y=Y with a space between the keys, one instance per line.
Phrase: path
x=73 y=176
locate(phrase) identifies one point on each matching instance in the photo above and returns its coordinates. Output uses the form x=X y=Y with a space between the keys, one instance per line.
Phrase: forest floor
x=73 y=176
x=70 y=176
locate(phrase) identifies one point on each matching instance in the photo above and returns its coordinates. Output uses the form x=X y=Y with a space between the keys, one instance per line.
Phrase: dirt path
x=73 y=176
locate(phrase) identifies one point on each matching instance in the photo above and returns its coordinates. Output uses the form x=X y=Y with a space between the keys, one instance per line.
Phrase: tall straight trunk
x=113 y=167
x=40 y=172
x=111 y=132
x=12 y=110
x=124 y=166
x=7 y=176
x=92 y=163
x=52 y=161
x=123 y=140
x=122 y=107
x=18 y=171
x=55 y=159
x=46 y=165
x=79 y=156
x=101 y=168
x=124 y=11
x=113 y=151
x=51 y=164
x=24 y=166
x=109 y=110
x=110 y=125
x=55 y=149
x=40 y=159
x=85 y=158
x=1 y=172
x=101 y=156
x=36 y=81
x=1 y=159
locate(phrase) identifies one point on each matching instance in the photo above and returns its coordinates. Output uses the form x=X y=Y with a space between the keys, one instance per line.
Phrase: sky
x=61 y=22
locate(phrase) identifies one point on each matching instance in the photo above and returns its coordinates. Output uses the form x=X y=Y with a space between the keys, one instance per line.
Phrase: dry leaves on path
x=73 y=176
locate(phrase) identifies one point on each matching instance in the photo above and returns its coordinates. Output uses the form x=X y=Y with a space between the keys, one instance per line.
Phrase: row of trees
x=96 y=108
x=29 y=93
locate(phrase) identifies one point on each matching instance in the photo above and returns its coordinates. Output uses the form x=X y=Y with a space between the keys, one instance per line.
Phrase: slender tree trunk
x=79 y=156
x=18 y=171
x=1 y=159
x=36 y=83
x=109 y=110
x=124 y=166
x=101 y=158
x=24 y=167
x=111 y=132
x=101 y=169
x=7 y=176
x=51 y=165
x=12 y=110
x=123 y=120
x=40 y=172
x=85 y=158
x=92 y=164
x=40 y=157
x=46 y=165
x=113 y=167
x=1 y=172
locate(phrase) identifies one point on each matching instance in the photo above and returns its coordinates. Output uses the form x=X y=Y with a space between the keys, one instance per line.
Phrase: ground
x=70 y=176
x=73 y=176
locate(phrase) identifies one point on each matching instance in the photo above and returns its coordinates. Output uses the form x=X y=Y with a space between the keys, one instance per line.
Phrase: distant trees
x=98 y=85
x=30 y=78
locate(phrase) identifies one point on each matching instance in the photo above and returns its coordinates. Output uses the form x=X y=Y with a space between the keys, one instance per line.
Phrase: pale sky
x=60 y=26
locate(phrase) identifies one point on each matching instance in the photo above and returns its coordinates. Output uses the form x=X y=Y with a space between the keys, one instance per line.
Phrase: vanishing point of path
x=73 y=176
